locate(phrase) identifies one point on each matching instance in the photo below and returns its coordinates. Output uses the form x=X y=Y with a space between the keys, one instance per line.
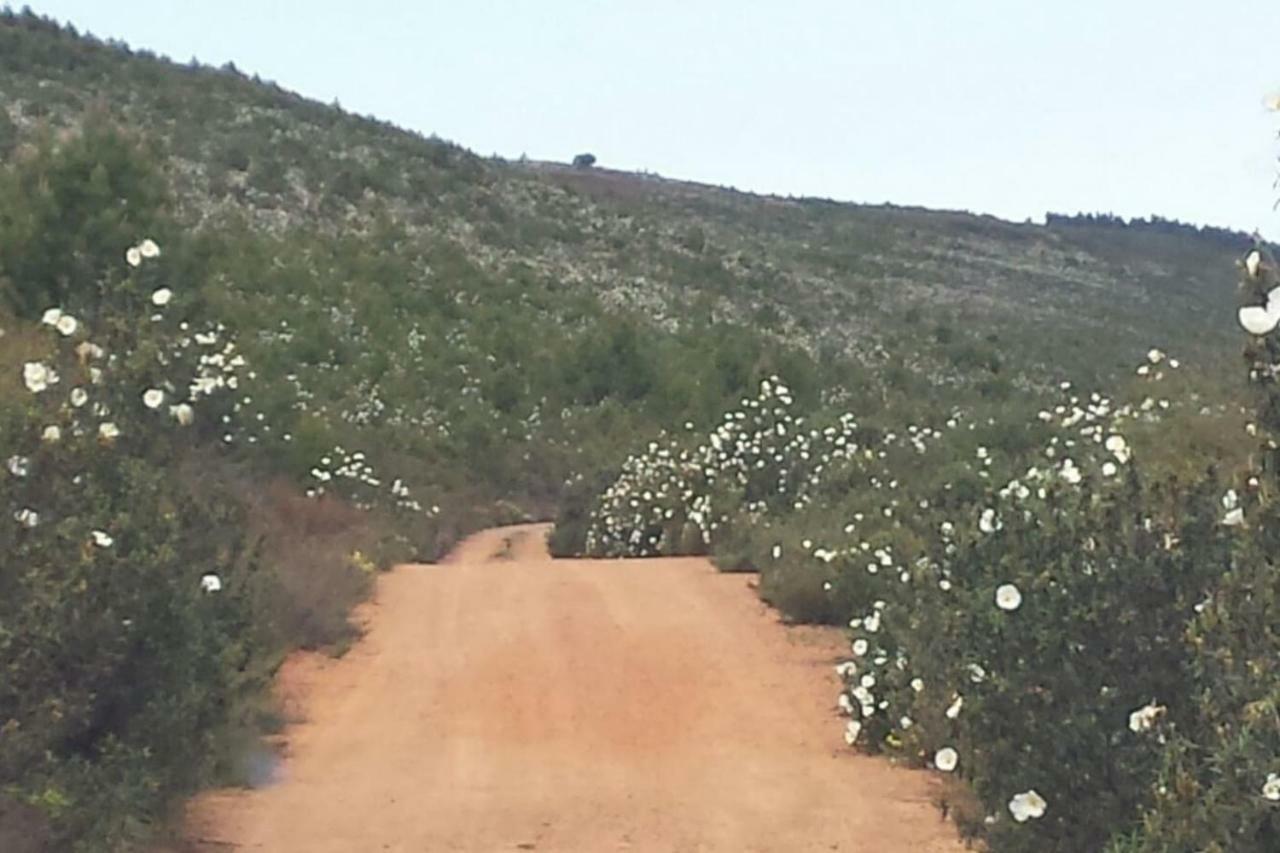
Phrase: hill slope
x=256 y=347
x=931 y=291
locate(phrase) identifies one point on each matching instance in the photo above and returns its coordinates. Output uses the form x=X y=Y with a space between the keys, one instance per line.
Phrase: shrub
x=8 y=134
x=67 y=210
x=130 y=607
x=1080 y=638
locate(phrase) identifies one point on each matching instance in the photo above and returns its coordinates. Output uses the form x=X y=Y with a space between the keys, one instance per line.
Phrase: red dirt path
x=506 y=701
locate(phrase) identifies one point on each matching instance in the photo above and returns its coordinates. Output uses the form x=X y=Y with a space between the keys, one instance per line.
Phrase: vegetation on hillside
x=1069 y=608
x=256 y=347
x=214 y=433
x=932 y=301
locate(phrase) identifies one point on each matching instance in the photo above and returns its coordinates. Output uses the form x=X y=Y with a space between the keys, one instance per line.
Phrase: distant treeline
x=1225 y=237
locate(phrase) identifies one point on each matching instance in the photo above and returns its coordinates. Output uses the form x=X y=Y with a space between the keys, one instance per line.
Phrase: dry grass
x=311 y=546
x=956 y=800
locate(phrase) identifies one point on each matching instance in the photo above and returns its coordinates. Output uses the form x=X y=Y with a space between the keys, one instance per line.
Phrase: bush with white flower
x=1024 y=610
x=1218 y=788
x=761 y=460
x=127 y=619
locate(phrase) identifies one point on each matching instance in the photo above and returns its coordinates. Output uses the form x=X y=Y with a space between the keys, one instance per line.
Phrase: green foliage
x=610 y=362
x=120 y=670
x=67 y=209
x=500 y=336
x=8 y=134
x=1066 y=613
x=1218 y=788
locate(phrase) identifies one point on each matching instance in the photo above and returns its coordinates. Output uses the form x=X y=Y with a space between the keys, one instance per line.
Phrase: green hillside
x=882 y=284
x=258 y=339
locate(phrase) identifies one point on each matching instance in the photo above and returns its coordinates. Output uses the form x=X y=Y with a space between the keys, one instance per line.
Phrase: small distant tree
x=584 y=161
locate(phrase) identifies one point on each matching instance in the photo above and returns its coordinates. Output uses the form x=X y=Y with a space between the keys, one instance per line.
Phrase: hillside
x=257 y=349
x=932 y=292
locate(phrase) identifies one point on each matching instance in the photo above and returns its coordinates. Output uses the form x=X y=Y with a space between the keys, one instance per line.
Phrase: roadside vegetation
x=1067 y=606
x=256 y=349
x=214 y=437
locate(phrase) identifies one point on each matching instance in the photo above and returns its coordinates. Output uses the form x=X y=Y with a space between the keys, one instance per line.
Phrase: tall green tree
x=70 y=205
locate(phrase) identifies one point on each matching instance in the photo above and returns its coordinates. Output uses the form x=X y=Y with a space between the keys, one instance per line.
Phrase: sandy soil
x=505 y=701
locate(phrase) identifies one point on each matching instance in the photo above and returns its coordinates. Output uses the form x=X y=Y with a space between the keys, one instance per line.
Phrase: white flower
x=1155 y=356
x=183 y=413
x=19 y=466
x=101 y=539
x=1253 y=263
x=1026 y=805
x=1008 y=597
x=37 y=377
x=27 y=517
x=946 y=759
x=988 y=523
x=107 y=431
x=148 y=248
x=777 y=551
x=153 y=398
x=133 y=256
x=1233 y=518
x=845 y=705
x=161 y=297
x=1258 y=320
x=1118 y=447
x=79 y=397
x=67 y=325
x=859 y=647
x=1109 y=469
x=1271 y=787
x=51 y=316
x=852 y=729
x=211 y=583
x=1144 y=719
x=52 y=434
x=1230 y=499
x=917 y=684
x=953 y=710
x=1070 y=472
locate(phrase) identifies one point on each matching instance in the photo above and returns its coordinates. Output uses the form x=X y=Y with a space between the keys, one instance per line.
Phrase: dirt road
x=505 y=701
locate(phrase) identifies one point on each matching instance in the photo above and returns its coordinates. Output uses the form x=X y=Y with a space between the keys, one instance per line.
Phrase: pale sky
x=1009 y=107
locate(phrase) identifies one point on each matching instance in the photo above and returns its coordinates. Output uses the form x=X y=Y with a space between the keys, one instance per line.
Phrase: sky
x=1132 y=107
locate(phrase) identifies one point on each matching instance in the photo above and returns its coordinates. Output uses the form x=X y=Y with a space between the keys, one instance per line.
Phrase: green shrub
x=1081 y=638
x=130 y=613
x=66 y=211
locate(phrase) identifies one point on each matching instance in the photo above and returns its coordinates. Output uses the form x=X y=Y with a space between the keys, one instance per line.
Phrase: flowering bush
x=1080 y=636
x=760 y=460
x=128 y=619
x=210 y=436
x=1218 y=788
